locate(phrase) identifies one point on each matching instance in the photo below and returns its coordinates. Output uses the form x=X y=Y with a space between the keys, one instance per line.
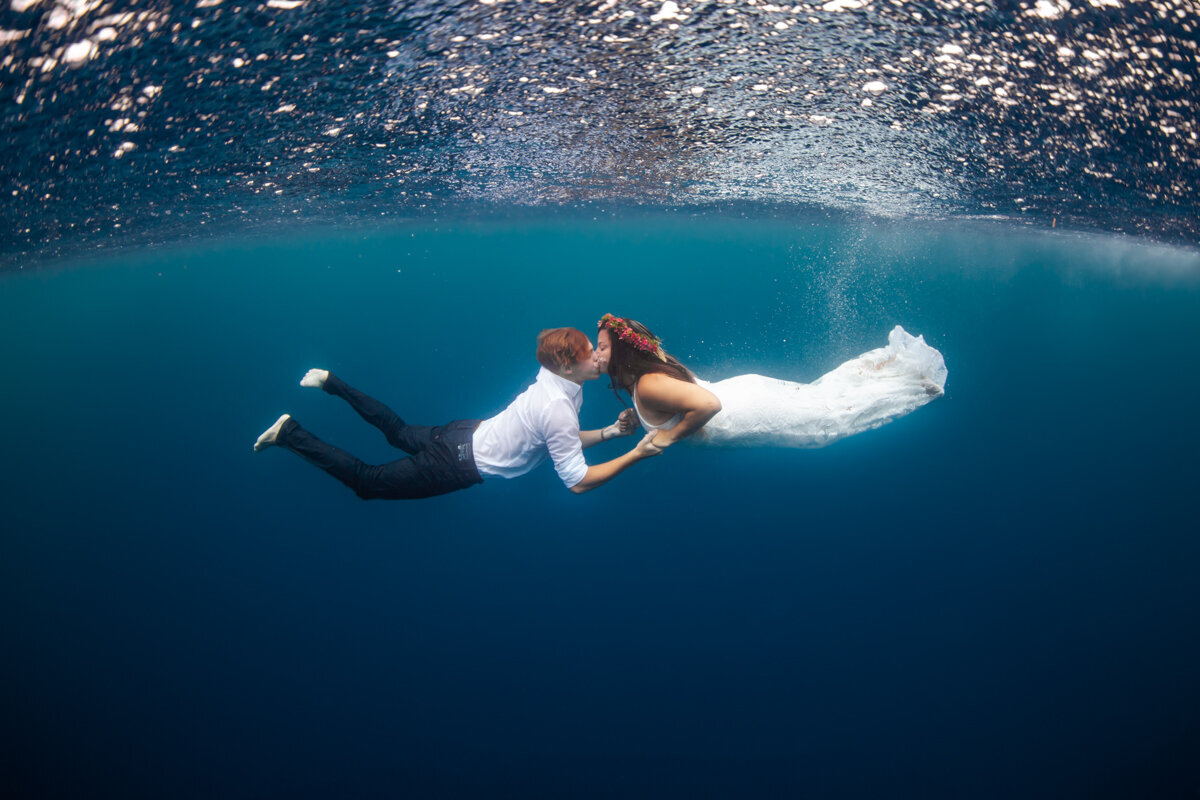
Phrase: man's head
x=567 y=352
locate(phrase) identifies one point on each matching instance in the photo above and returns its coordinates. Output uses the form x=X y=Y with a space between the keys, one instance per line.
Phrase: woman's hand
x=626 y=424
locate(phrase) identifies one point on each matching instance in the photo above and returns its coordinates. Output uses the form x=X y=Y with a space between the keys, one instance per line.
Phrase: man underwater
x=543 y=421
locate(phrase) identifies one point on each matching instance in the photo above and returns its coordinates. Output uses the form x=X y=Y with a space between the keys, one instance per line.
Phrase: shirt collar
x=570 y=388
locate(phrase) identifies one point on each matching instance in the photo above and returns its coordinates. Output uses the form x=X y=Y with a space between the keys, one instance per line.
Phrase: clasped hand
x=626 y=424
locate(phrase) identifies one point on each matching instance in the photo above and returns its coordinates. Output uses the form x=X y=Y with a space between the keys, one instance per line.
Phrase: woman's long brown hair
x=627 y=363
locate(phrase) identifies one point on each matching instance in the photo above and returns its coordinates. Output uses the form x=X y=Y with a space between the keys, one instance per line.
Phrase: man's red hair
x=558 y=348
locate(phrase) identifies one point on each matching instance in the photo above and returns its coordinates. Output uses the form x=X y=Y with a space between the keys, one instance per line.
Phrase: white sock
x=315 y=378
x=267 y=439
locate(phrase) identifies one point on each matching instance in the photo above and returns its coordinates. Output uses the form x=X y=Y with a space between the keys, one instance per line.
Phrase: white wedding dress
x=861 y=394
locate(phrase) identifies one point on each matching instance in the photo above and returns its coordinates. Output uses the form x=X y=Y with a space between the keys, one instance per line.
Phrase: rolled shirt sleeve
x=560 y=426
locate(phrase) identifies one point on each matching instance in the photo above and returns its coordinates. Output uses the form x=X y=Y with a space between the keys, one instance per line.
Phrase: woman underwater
x=746 y=410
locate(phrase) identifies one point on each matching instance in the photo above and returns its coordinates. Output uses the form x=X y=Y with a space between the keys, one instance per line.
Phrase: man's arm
x=625 y=425
x=600 y=474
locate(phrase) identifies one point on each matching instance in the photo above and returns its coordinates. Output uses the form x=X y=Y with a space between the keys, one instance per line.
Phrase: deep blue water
x=992 y=597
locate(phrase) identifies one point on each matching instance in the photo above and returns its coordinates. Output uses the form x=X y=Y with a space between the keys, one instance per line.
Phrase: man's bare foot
x=315 y=378
x=270 y=434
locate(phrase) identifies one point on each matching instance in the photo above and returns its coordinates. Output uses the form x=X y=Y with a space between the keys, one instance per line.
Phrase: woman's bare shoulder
x=658 y=381
x=666 y=392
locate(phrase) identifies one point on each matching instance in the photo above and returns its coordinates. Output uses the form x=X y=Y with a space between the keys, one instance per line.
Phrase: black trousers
x=441 y=459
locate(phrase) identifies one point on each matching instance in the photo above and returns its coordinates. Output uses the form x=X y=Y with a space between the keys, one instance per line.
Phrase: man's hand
x=625 y=425
x=646 y=447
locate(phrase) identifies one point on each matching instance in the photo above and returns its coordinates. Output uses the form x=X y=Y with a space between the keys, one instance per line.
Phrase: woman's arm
x=670 y=396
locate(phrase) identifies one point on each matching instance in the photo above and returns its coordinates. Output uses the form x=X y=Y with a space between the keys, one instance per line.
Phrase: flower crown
x=620 y=328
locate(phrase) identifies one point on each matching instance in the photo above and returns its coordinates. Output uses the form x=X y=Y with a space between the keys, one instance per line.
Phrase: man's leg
x=411 y=439
x=405 y=479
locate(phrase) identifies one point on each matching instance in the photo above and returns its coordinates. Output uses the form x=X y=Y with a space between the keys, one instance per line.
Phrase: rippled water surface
x=136 y=121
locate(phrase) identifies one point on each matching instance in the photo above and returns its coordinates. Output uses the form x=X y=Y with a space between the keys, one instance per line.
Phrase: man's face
x=585 y=369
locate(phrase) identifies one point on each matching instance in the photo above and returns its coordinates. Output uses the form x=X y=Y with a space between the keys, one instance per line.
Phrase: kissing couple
x=668 y=401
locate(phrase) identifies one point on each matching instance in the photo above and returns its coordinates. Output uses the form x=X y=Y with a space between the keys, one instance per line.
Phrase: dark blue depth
x=993 y=597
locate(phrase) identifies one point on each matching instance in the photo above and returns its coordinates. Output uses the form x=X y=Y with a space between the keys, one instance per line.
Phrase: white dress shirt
x=542 y=421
